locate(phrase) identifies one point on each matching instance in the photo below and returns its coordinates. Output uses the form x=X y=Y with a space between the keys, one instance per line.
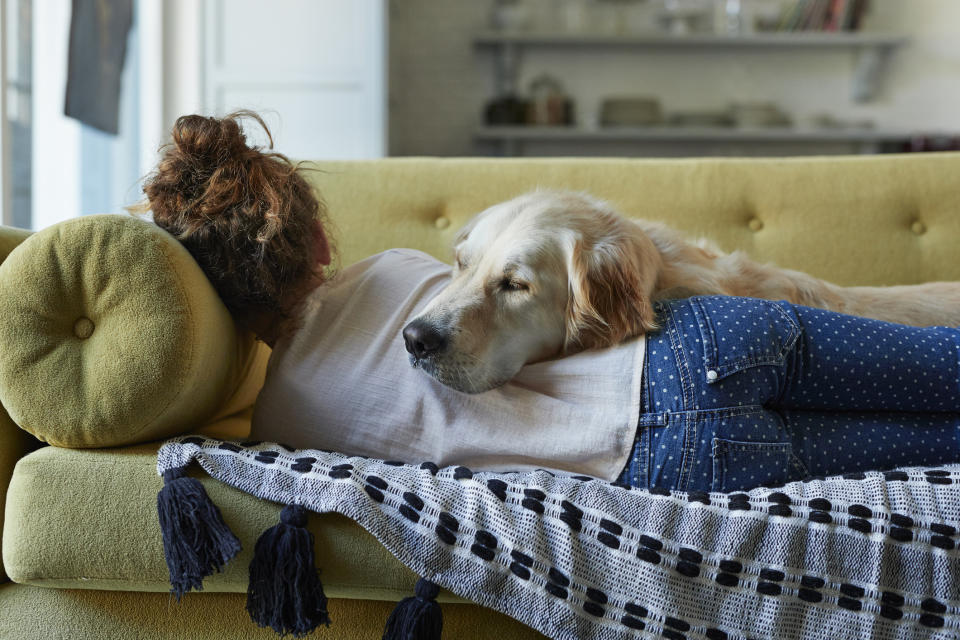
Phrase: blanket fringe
x=418 y=617
x=196 y=540
x=285 y=592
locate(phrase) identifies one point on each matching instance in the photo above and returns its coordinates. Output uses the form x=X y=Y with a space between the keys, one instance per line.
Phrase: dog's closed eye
x=510 y=284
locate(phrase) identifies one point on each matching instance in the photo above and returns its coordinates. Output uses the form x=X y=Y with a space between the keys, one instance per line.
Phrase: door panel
x=315 y=68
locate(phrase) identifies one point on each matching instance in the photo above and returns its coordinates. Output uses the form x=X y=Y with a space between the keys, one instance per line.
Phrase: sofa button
x=755 y=224
x=442 y=222
x=83 y=328
x=918 y=228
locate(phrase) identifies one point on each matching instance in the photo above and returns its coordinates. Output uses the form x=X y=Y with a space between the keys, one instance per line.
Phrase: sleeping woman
x=729 y=394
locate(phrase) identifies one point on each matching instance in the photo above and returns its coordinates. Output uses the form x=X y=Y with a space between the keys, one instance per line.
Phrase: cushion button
x=83 y=328
x=918 y=227
x=442 y=222
x=755 y=224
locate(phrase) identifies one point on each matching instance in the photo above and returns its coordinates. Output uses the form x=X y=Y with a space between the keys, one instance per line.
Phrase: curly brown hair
x=246 y=215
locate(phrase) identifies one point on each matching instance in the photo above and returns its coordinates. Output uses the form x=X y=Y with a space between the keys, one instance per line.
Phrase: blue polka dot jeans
x=740 y=393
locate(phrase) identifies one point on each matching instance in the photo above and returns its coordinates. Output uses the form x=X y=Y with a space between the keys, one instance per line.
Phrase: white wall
x=439 y=81
x=923 y=87
x=56 y=138
x=151 y=99
x=182 y=79
x=314 y=69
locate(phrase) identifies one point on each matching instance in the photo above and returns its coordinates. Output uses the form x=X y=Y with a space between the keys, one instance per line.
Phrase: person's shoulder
x=414 y=256
x=393 y=256
x=401 y=262
x=397 y=269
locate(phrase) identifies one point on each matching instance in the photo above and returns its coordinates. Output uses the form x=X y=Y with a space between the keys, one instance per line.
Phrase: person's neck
x=268 y=327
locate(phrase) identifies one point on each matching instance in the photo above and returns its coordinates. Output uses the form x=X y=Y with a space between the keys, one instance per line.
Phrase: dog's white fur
x=552 y=272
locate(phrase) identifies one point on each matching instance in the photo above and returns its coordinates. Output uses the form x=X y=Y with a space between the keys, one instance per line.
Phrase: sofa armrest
x=14 y=444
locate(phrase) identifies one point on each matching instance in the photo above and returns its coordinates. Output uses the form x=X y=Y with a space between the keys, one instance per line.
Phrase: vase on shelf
x=730 y=18
x=511 y=15
x=683 y=17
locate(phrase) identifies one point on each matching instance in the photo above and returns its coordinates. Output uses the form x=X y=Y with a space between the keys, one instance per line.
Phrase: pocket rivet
x=711 y=375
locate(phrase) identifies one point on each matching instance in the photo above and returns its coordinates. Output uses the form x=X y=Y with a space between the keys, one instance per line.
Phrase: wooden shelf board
x=800 y=39
x=667 y=133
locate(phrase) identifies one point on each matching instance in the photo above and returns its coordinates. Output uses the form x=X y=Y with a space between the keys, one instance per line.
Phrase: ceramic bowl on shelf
x=700 y=119
x=630 y=111
x=758 y=114
x=830 y=121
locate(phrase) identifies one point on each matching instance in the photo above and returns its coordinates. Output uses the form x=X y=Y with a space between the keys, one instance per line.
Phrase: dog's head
x=535 y=277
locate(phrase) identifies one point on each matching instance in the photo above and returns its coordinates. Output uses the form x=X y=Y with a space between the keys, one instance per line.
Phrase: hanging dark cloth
x=98 y=46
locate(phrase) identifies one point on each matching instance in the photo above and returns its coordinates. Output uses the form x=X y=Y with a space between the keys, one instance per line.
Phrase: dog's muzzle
x=423 y=339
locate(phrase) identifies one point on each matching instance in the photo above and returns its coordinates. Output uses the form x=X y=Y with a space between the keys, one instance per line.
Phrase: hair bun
x=207 y=157
x=213 y=141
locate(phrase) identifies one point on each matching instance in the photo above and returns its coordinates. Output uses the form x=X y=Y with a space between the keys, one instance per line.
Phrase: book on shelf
x=823 y=15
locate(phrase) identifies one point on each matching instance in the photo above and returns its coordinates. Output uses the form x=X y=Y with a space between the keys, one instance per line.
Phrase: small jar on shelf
x=683 y=17
x=511 y=15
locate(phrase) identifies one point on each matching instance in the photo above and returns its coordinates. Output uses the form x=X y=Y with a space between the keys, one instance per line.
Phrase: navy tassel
x=285 y=592
x=416 y=618
x=196 y=540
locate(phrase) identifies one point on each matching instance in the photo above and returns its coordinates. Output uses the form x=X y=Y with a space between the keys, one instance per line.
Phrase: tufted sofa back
x=869 y=220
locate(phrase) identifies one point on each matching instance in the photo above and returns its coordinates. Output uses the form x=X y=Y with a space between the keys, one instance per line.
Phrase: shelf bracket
x=868 y=75
x=507 y=68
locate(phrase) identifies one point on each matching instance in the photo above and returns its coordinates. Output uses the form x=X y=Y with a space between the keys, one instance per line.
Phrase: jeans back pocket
x=739 y=333
x=740 y=466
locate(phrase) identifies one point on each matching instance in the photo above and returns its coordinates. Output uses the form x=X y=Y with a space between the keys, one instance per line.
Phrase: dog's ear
x=464 y=232
x=610 y=288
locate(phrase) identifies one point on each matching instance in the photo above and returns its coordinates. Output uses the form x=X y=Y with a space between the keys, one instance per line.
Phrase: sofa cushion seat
x=87 y=519
x=32 y=613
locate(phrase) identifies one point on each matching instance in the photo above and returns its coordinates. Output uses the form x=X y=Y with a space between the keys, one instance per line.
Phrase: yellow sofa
x=81 y=545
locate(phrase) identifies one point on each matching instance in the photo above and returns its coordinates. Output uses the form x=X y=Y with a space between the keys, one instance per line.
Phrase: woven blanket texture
x=873 y=555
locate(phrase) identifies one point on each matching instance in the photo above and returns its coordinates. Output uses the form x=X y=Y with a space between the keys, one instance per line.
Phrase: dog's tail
x=919 y=305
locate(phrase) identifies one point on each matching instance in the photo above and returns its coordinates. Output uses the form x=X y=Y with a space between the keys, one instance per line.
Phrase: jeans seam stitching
x=689 y=399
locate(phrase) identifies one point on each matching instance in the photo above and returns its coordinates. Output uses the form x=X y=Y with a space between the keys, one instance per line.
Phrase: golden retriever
x=552 y=272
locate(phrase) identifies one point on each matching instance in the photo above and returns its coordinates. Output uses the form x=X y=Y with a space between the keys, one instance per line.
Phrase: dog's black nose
x=423 y=339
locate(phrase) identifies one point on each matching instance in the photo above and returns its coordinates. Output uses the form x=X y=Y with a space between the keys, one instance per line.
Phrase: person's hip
x=731 y=449
x=702 y=424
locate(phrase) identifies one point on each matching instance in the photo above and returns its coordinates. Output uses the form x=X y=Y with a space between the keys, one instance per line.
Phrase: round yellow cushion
x=111 y=334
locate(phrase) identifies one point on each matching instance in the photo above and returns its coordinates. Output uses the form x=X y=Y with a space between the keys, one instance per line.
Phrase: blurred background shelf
x=873 y=50
x=457 y=66
x=761 y=40
x=512 y=137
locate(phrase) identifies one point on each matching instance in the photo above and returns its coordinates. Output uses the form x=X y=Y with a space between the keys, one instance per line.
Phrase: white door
x=316 y=70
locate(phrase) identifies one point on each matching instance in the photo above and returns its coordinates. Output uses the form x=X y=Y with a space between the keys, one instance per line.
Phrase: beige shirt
x=343 y=382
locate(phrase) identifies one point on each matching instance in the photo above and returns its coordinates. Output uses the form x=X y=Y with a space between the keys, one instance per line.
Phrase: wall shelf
x=511 y=137
x=800 y=39
x=872 y=49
